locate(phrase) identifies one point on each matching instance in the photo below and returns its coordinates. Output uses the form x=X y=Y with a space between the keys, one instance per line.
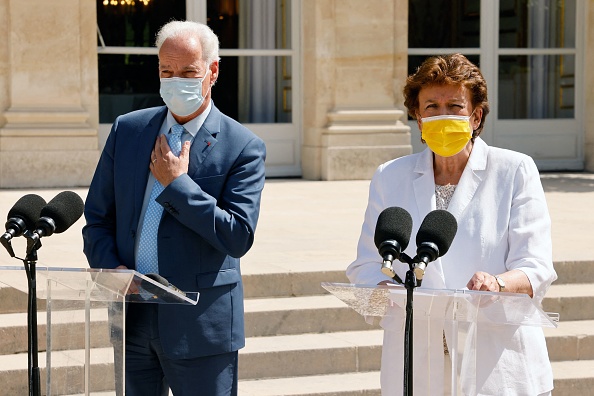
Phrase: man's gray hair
x=208 y=39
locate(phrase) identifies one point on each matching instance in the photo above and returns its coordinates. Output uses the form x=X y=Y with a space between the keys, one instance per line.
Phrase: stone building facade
x=352 y=67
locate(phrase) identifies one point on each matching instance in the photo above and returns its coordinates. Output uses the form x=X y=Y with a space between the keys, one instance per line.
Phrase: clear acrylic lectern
x=84 y=323
x=467 y=319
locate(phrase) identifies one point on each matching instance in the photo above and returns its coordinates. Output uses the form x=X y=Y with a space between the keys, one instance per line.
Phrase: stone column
x=354 y=67
x=48 y=132
x=589 y=89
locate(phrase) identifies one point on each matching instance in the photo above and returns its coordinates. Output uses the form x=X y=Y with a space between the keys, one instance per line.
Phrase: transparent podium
x=472 y=323
x=81 y=335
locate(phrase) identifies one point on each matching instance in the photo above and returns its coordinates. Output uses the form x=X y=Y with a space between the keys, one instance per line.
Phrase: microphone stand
x=410 y=283
x=33 y=347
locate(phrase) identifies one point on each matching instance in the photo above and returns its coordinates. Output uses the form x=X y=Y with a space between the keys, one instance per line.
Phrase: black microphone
x=57 y=216
x=23 y=215
x=392 y=234
x=21 y=218
x=434 y=238
x=163 y=281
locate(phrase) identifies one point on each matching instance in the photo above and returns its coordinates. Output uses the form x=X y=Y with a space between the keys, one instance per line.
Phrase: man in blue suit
x=184 y=203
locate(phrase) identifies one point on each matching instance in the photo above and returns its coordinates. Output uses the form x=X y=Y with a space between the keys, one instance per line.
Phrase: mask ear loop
x=473 y=130
x=420 y=123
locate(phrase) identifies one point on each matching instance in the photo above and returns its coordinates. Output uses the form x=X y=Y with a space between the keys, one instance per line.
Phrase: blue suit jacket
x=208 y=222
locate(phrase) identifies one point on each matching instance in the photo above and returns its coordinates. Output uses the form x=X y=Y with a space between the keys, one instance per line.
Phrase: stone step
x=310 y=354
x=572 y=340
x=287 y=316
x=13 y=300
x=570 y=379
x=68 y=327
x=66 y=365
x=573 y=377
x=290 y=284
x=307 y=283
x=351 y=384
x=571 y=301
x=326 y=313
x=299 y=283
x=352 y=351
x=574 y=272
x=298 y=315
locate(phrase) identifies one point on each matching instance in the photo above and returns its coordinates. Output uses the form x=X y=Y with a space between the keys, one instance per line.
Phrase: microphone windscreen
x=438 y=227
x=65 y=209
x=27 y=208
x=157 y=278
x=393 y=223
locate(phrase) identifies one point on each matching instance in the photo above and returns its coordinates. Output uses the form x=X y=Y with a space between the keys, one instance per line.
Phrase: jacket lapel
x=424 y=190
x=470 y=180
x=146 y=138
x=205 y=140
x=424 y=185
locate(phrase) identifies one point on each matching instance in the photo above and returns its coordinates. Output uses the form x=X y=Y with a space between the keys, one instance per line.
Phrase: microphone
x=392 y=234
x=21 y=218
x=159 y=279
x=23 y=215
x=434 y=238
x=57 y=216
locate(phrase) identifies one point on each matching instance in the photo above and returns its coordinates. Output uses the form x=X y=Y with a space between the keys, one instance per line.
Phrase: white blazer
x=503 y=224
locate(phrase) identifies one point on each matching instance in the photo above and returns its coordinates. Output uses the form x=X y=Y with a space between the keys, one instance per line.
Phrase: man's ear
x=214 y=72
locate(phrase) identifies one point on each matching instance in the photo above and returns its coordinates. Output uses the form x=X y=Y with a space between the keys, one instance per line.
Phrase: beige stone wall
x=48 y=90
x=589 y=89
x=354 y=65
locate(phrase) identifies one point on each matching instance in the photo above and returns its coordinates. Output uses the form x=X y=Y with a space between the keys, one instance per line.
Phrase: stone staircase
x=303 y=341
x=323 y=348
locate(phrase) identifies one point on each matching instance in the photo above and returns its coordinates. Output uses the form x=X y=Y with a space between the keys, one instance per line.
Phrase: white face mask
x=183 y=96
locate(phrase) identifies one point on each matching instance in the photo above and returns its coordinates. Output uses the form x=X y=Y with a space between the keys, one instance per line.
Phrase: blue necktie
x=147 y=260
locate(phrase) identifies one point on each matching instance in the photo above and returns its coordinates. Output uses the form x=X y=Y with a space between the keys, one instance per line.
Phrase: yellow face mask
x=446 y=135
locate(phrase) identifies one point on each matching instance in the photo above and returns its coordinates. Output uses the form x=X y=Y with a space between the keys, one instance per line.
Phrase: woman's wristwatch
x=500 y=282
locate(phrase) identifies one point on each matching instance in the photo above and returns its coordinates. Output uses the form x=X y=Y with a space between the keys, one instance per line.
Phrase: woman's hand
x=515 y=280
x=483 y=281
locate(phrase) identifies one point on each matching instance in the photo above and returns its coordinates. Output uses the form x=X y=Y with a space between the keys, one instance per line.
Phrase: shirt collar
x=191 y=126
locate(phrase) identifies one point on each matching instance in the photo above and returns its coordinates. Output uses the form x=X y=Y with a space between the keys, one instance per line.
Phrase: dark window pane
x=255 y=89
x=414 y=61
x=135 y=24
x=537 y=87
x=537 y=23
x=261 y=24
x=126 y=83
x=443 y=23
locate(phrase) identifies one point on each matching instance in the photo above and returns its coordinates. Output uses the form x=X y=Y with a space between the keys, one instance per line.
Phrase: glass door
x=530 y=53
x=539 y=77
x=259 y=73
x=259 y=79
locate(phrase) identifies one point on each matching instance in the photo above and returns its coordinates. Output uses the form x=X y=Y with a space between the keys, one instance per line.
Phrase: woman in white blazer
x=503 y=242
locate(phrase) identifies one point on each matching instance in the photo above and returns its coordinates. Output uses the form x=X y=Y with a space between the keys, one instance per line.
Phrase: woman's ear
x=477 y=116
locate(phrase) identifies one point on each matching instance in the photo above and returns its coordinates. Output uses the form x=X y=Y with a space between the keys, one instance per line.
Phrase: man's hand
x=165 y=166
